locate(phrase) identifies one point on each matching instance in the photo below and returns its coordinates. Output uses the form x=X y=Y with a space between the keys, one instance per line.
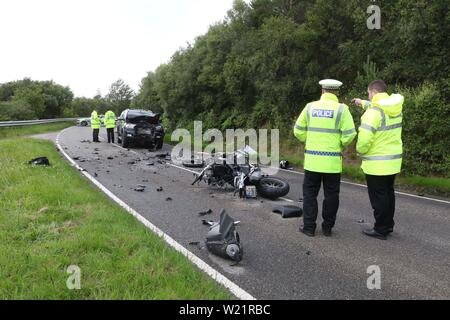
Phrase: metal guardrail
x=31 y=122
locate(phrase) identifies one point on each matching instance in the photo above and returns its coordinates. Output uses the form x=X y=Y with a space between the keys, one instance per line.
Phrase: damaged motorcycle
x=242 y=177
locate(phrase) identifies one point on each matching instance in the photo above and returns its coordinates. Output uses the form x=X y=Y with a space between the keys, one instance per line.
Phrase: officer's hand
x=357 y=102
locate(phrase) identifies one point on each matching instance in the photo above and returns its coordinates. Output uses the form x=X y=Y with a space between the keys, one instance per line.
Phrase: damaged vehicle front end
x=140 y=127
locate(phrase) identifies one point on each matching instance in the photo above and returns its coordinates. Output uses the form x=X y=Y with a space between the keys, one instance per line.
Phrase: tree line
x=262 y=64
x=28 y=100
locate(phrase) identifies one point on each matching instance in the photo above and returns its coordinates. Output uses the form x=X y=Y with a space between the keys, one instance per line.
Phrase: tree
x=120 y=95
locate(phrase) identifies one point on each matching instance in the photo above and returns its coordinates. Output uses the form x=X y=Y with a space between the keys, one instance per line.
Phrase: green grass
x=10 y=132
x=51 y=218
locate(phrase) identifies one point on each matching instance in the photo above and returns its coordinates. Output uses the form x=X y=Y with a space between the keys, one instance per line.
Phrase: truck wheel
x=125 y=142
x=159 y=144
x=272 y=188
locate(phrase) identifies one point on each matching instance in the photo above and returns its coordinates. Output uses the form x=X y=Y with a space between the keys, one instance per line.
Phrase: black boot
x=326 y=232
x=307 y=232
x=374 y=234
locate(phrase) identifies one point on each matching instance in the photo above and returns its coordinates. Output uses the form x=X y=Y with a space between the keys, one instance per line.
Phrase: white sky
x=88 y=44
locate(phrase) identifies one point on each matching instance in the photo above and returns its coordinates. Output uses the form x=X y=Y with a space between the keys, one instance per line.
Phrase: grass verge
x=52 y=218
x=10 y=132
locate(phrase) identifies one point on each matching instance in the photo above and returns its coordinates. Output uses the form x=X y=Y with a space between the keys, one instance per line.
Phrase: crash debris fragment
x=284 y=164
x=41 y=161
x=223 y=240
x=204 y=213
x=288 y=211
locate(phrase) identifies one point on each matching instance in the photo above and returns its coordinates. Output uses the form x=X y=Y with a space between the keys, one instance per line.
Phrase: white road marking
x=344 y=182
x=213 y=273
x=364 y=186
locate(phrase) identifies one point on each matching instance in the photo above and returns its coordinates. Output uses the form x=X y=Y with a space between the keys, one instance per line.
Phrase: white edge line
x=301 y=173
x=210 y=271
x=364 y=186
x=342 y=181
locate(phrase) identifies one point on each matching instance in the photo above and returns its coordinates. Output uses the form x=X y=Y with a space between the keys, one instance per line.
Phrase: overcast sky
x=88 y=44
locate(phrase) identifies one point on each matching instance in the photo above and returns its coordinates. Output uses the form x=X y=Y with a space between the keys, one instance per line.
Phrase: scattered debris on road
x=223 y=239
x=284 y=164
x=287 y=211
x=204 y=213
x=160 y=189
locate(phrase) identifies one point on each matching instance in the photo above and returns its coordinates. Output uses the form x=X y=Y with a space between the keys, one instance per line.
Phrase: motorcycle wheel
x=272 y=188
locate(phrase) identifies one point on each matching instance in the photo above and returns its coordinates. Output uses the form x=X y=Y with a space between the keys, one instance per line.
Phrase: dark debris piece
x=139 y=189
x=208 y=223
x=41 y=161
x=160 y=189
x=204 y=213
x=169 y=199
x=110 y=158
x=76 y=158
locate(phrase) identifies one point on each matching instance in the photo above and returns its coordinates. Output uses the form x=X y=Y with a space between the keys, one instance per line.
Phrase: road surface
x=279 y=262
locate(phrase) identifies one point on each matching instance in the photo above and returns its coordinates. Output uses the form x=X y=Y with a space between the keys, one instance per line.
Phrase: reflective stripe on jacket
x=110 y=120
x=380 y=135
x=95 y=120
x=326 y=126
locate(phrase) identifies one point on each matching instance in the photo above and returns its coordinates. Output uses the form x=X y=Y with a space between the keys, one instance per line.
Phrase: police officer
x=326 y=126
x=110 y=124
x=380 y=146
x=95 y=125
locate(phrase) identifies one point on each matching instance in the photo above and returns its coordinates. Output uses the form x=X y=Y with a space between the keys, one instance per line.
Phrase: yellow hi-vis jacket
x=380 y=135
x=95 y=120
x=326 y=126
x=110 y=120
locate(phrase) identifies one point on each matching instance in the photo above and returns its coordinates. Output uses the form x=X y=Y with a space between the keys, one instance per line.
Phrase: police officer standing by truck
x=110 y=124
x=95 y=125
x=326 y=126
x=381 y=149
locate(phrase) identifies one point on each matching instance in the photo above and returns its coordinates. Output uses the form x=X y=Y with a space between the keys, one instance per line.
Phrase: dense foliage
x=261 y=65
x=27 y=100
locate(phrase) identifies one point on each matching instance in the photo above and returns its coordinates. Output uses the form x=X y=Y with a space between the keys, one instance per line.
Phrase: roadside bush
x=426 y=131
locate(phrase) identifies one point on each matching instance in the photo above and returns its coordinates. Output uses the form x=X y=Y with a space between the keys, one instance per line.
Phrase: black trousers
x=110 y=132
x=382 y=198
x=95 y=133
x=311 y=188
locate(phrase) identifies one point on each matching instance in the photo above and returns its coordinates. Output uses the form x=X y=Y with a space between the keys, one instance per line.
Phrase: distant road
x=279 y=262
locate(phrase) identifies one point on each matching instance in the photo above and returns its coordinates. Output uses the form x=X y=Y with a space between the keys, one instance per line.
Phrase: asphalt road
x=279 y=262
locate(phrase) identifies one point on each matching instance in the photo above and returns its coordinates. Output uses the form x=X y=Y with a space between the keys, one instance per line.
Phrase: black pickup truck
x=140 y=127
